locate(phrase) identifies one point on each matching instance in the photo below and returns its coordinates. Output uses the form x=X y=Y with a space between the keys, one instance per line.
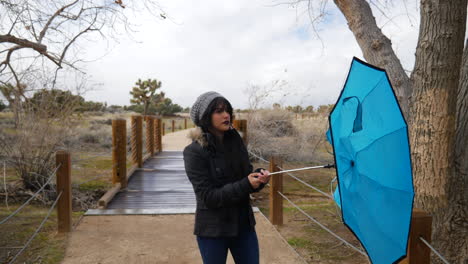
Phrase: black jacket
x=218 y=174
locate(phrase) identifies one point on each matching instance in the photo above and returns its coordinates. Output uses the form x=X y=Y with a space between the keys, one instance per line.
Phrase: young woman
x=218 y=166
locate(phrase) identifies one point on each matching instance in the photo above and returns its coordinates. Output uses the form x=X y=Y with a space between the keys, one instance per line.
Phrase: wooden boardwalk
x=161 y=184
x=160 y=187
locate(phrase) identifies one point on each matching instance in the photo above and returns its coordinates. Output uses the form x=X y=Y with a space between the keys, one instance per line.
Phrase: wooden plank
x=64 y=204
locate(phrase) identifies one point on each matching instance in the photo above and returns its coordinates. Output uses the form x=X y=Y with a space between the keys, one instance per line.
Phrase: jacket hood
x=196 y=134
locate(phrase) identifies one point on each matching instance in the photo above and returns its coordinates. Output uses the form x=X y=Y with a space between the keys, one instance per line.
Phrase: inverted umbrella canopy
x=369 y=136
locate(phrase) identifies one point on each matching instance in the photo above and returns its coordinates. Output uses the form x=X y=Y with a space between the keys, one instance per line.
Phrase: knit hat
x=200 y=106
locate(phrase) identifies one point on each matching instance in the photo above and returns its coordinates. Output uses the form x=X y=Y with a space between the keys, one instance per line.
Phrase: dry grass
x=47 y=246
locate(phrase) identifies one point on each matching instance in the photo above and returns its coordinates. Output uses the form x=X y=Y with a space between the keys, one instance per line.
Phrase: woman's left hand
x=264 y=176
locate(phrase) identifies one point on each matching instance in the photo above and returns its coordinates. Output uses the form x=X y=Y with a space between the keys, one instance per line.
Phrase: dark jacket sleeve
x=198 y=172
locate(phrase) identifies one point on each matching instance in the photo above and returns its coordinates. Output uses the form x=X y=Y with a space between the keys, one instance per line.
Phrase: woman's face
x=220 y=119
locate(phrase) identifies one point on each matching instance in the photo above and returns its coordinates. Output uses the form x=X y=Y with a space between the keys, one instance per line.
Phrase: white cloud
x=225 y=45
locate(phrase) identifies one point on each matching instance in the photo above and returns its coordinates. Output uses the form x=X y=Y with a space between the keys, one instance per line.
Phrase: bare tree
x=43 y=37
x=435 y=101
x=38 y=41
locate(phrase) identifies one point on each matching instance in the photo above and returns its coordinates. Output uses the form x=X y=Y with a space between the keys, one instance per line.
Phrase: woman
x=218 y=166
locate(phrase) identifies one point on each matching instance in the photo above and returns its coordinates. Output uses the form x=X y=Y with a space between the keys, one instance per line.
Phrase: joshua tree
x=144 y=93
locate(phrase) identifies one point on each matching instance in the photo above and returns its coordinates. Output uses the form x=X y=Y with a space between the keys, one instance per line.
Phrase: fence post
x=418 y=252
x=157 y=134
x=241 y=126
x=185 y=123
x=163 y=128
x=149 y=134
x=276 y=184
x=173 y=125
x=64 y=204
x=119 y=152
x=137 y=148
x=244 y=130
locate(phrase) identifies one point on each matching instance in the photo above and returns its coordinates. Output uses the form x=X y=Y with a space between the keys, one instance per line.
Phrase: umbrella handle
x=357 y=126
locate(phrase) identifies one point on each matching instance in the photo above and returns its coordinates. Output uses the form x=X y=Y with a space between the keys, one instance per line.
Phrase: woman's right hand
x=254 y=179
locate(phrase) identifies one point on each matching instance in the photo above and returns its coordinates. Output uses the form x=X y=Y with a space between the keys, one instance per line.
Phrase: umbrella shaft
x=306 y=168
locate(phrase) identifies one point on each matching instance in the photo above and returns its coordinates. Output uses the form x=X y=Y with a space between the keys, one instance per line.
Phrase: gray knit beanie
x=200 y=106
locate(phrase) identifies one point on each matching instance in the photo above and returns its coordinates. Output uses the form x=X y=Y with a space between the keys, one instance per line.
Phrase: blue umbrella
x=369 y=136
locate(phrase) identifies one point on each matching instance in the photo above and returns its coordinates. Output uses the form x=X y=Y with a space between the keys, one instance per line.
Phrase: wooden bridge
x=148 y=216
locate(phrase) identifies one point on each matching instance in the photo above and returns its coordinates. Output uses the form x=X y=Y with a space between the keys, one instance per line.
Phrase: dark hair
x=205 y=121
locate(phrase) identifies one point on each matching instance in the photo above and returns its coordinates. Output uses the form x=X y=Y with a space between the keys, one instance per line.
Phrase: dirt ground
x=158 y=239
x=176 y=141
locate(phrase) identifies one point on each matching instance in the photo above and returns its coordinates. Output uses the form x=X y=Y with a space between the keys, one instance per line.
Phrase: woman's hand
x=256 y=178
x=265 y=176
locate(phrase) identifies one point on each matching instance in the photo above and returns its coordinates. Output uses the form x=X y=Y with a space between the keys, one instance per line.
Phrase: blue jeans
x=244 y=248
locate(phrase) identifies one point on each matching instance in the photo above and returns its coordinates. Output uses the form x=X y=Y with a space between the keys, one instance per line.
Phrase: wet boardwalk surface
x=160 y=184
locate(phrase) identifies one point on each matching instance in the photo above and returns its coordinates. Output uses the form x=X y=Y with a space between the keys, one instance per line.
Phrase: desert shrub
x=275 y=132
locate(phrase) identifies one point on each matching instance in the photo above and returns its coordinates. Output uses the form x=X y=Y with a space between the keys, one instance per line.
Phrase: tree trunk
x=439 y=135
x=435 y=81
x=376 y=47
x=454 y=218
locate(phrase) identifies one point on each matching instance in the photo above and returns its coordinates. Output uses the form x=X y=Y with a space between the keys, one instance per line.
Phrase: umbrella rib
x=380 y=137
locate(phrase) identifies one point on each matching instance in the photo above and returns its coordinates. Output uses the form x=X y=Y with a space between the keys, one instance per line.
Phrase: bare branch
x=23 y=42
x=44 y=30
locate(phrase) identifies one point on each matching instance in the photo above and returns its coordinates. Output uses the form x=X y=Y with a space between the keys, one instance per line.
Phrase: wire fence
x=323 y=226
x=37 y=230
x=327 y=229
x=433 y=250
x=30 y=198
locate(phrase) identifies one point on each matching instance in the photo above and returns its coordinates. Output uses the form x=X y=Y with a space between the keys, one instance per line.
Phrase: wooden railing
x=120 y=173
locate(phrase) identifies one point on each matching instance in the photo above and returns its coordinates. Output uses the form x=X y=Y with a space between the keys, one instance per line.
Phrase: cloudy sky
x=230 y=45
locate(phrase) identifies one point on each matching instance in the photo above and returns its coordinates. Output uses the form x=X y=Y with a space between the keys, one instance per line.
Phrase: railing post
x=149 y=134
x=157 y=134
x=137 y=146
x=173 y=125
x=418 y=252
x=276 y=185
x=241 y=126
x=185 y=123
x=64 y=204
x=244 y=130
x=119 y=152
